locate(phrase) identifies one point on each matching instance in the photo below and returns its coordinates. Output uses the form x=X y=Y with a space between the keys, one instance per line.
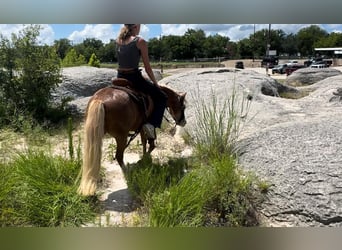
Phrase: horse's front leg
x=143 y=141
x=121 y=142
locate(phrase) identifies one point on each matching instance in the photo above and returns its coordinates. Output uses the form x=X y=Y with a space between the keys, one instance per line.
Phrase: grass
x=40 y=190
x=218 y=125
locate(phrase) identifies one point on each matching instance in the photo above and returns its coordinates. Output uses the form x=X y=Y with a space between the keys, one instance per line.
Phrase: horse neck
x=170 y=94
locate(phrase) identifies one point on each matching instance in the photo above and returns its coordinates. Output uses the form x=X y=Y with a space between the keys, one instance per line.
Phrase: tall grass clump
x=215 y=139
x=182 y=204
x=41 y=191
x=145 y=178
x=219 y=124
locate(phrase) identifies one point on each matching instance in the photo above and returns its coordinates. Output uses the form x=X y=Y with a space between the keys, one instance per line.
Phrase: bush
x=29 y=72
x=94 y=61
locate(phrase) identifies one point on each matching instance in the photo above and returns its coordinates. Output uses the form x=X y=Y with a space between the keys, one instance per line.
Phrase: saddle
x=143 y=100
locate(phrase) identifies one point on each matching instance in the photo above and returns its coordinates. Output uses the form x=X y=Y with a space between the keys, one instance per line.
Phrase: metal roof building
x=335 y=50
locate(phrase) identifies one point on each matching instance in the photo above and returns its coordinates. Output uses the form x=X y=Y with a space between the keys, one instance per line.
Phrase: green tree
x=62 y=46
x=108 y=52
x=290 y=45
x=193 y=43
x=94 y=61
x=245 y=48
x=332 y=40
x=215 y=46
x=73 y=59
x=88 y=47
x=29 y=73
x=307 y=37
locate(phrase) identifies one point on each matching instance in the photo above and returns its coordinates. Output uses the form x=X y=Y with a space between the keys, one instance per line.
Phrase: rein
x=168 y=110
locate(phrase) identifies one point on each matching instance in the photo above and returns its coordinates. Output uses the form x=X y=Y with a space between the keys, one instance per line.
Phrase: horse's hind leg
x=151 y=145
x=121 y=142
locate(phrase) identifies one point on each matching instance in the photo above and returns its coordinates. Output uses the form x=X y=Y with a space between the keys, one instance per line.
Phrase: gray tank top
x=128 y=54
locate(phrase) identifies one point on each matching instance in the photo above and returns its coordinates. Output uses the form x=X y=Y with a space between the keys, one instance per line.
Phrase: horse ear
x=182 y=95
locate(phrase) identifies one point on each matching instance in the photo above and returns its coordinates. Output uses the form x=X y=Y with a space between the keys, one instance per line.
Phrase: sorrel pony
x=114 y=111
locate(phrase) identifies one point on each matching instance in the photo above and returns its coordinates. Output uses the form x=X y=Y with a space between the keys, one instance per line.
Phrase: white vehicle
x=318 y=66
x=292 y=62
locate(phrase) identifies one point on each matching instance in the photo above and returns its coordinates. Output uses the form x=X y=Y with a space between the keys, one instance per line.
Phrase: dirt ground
x=118 y=206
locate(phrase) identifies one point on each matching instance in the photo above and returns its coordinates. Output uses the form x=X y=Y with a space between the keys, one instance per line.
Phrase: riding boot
x=150 y=131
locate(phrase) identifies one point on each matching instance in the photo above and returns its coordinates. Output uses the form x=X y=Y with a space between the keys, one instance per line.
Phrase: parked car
x=318 y=60
x=280 y=69
x=293 y=68
x=292 y=62
x=270 y=61
x=239 y=65
x=318 y=66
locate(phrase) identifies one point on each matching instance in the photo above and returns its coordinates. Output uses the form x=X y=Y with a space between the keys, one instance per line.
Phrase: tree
x=94 y=61
x=215 y=46
x=332 y=40
x=62 y=46
x=245 y=48
x=193 y=41
x=307 y=37
x=289 y=45
x=88 y=47
x=73 y=59
x=29 y=73
x=107 y=53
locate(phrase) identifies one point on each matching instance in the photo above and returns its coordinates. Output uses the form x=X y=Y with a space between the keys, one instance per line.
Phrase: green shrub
x=94 y=61
x=29 y=72
x=73 y=59
x=231 y=194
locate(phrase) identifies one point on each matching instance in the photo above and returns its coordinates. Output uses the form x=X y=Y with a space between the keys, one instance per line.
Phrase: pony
x=116 y=111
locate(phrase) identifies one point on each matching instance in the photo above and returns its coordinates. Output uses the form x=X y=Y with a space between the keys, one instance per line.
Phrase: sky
x=104 y=32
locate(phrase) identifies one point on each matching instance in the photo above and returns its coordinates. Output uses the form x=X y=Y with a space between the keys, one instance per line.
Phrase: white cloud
x=176 y=29
x=46 y=35
x=7 y=29
x=103 y=32
x=144 y=31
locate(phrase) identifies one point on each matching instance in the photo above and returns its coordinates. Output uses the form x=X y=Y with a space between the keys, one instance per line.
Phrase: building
x=333 y=52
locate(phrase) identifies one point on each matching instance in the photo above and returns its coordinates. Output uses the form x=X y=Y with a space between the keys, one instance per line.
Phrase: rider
x=130 y=47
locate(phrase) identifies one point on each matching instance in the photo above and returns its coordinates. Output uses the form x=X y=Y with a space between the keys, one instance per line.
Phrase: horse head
x=176 y=105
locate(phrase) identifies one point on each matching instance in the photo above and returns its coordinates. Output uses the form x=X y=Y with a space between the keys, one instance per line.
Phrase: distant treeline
x=194 y=44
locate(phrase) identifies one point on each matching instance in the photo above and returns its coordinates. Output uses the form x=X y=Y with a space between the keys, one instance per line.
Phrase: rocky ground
x=293 y=144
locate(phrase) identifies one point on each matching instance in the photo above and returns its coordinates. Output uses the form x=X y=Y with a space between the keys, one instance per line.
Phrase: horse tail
x=94 y=132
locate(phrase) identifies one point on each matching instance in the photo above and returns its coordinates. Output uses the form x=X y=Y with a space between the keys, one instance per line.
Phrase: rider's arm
x=142 y=45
